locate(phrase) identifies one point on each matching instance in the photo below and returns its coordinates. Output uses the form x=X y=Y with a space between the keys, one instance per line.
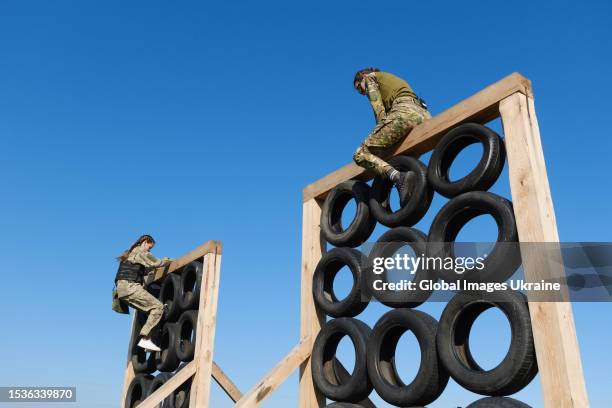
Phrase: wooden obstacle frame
x=556 y=344
x=202 y=368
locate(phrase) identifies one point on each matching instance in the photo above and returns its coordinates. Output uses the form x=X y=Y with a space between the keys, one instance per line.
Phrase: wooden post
x=554 y=333
x=310 y=318
x=129 y=369
x=205 y=332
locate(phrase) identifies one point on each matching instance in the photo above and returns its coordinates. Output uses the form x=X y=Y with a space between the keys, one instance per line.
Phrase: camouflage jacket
x=145 y=258
x=383 y=89
x=374 y=96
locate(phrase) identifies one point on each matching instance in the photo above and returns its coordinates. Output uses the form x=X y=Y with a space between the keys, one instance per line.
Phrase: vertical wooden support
x=205 y=333
x=554 y=333
x=310 y=319
x=129 y=369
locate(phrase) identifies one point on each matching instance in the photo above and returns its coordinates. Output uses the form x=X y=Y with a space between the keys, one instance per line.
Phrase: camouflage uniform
x=137 y=296
x=391 y=126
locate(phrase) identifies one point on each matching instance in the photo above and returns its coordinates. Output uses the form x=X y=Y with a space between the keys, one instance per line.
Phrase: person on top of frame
x=397 y=110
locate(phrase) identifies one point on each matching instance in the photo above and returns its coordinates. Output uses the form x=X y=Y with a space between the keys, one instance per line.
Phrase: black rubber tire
x=180 y=397
x=386 y=245
x=142 y=361
x=153 y=288
x=505 y=257
x=186 y=331
x=498 y=402
x=137 y=390
x=169 y=295
x=518 y=367
x=324 y=374
x=343 y=405
x=486 y=172
x=331 y=215
x=141 y=318
x=431 y=378
x=342 y=375
x=157 y=382
x=166 y=359
x=191 y=281
x=418 y=203
x=323 y=283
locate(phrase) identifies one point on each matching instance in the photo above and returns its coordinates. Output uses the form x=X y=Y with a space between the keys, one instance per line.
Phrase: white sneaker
x=147 y=344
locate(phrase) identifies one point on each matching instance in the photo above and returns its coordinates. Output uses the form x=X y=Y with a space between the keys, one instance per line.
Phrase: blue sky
x=198 y=121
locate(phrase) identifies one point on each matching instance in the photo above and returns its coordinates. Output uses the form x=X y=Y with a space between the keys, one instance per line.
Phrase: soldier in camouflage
x=397 y=110
x=134 y=263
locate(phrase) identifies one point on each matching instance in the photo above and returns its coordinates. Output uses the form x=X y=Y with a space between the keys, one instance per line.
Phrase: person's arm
x=149 y=260
x=374 y=96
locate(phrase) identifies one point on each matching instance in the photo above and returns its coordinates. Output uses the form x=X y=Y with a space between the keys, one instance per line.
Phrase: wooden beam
x=206 y=248
x=311 y=319
x=205 y=331
x=169 y=386
x=256 y=395
x=481 y=107
x=557 y=349
x=129 y=369
x=225 y=383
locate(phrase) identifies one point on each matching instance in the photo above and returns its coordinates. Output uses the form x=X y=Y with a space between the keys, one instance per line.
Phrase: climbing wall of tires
x=176 y=336
x=444 y=344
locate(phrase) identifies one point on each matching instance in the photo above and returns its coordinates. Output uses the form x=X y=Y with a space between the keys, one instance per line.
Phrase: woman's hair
x=361 y=73
x=143 y=238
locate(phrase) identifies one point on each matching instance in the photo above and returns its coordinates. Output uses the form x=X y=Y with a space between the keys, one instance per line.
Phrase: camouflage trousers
x=137 y=297
x=405 y=114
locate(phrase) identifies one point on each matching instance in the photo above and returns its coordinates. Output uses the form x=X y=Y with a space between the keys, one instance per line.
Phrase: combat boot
x=405 y=184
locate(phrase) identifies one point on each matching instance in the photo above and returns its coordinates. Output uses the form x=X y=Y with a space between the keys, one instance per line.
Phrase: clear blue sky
x=198 y=121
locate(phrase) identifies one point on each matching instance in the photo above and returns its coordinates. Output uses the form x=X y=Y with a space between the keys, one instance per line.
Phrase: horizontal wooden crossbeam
x=482 y=107
x=198 y=253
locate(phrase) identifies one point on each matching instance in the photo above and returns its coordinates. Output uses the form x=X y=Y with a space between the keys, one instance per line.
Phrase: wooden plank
x=225 y=383
x=310 y=318
x=557 y=349
x=206 y=248
x=205 y=332
x=256 y=395
x=129 y=369
x=169 y=386
x=481 y=107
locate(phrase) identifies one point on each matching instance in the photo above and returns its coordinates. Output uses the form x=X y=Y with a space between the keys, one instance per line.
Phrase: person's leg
x=400 y=121
x=386 y=133
x=139 y=298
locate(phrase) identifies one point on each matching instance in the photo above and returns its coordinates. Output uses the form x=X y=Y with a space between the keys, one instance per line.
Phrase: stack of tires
x=444 y=346
x=176 y=336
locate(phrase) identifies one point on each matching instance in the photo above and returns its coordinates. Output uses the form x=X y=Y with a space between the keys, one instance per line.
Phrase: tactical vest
x=129 y=271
